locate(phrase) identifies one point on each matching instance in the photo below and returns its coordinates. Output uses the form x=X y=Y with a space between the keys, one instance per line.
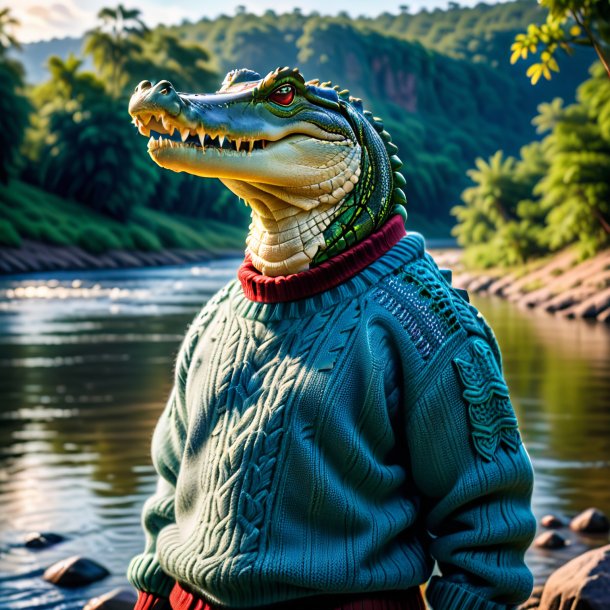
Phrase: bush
x=172 y=238
x=97 y=240
x=8 y=235
x=143 y=239
x=52 y=234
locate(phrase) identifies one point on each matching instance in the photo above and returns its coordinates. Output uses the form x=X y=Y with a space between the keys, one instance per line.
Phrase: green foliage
x=113 y=42
x=557 y=194
x=493 y=222
x=14 y=106
x=568 y=23
x=98 y=239
x=86 y=149
x=8 y=234
x=14 y=111
x=7 y=24
x=576 y=190
x=143 y=239
x=443 y=110
x=35 y=214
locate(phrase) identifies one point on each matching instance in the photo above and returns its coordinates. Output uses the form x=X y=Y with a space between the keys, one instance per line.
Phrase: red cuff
x=148 y=601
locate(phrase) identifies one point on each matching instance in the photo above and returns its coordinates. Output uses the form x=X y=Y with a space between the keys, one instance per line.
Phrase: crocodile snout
x=150 y=98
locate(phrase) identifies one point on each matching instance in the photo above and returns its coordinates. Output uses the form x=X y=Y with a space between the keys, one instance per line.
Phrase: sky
x=44 y=19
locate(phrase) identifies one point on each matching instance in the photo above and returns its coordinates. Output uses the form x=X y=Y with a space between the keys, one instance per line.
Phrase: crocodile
x=319 y=172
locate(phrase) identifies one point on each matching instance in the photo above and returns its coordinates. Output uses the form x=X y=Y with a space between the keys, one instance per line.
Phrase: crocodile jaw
x=294 y=187
x=288 y=224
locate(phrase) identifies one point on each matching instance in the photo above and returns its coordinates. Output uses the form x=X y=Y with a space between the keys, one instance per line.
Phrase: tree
x=7 y=24
x=111 y=44
x=84 y=146
x=163 y=54
x=556 y=195
x=14 y=106
x=575 y=192
x=568 y=23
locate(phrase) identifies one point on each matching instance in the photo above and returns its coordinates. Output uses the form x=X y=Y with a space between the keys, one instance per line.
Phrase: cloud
x=56 y=14
x=40 y=21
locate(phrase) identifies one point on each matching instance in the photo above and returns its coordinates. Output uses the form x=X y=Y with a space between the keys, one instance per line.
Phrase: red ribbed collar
x=327 y=275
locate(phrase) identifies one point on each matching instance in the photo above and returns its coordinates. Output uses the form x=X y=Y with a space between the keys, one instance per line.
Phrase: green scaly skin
x=319 y=172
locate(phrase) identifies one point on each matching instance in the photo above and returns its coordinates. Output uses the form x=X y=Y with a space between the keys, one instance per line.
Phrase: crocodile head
x=318 y=172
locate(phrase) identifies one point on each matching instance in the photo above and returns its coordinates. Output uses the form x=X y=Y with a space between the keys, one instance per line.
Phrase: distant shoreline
x=559 y=284
x=35 y=257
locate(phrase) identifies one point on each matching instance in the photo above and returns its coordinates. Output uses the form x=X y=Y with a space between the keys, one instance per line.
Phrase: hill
x=441 y=81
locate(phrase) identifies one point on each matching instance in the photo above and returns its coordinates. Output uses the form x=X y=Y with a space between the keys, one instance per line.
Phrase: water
x=85 y=366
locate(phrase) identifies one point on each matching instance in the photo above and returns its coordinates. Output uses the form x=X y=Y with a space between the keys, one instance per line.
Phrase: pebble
x=42 y=540
x=74 y=572
x=591 y=521
x=550 y=540
x=551 y=522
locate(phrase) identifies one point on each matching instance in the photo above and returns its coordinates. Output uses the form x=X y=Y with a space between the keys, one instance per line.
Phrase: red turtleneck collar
x=330 y=273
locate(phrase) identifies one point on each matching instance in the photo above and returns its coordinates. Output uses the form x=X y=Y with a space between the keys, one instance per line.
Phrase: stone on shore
x=74 y=572
x=119 y=599
x=591 y=521
x=550 y=540
x=551 y=522
x=42 y=540
x=583 y=583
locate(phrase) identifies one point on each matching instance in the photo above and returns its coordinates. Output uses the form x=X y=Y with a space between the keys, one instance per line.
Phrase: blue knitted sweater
x=341 y=443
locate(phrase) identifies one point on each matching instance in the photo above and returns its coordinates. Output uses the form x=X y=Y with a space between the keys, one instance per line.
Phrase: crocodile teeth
x=201 y=134
x=238 y=144
x=221 y=139
x=184 y=134
x=151 y=143
x=251 y=143
x=170 y=128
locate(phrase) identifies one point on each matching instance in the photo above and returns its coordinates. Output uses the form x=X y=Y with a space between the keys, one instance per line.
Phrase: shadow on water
x=85 y=367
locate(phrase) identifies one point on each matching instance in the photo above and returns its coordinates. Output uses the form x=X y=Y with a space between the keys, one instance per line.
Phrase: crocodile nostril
x=145 y=84
x=164 y=87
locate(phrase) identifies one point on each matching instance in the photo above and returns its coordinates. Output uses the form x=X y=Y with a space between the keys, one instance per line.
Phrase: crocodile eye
x=283 y=95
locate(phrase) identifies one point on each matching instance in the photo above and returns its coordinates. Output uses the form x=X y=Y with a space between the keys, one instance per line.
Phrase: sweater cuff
x=148 y=601
x=145 y=574
x=443 y=595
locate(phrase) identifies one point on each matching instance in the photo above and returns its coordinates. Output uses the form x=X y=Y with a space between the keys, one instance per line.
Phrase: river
x=85 y=365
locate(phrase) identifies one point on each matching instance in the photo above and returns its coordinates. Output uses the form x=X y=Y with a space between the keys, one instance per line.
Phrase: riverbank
x=34 y=256
x=560 y=284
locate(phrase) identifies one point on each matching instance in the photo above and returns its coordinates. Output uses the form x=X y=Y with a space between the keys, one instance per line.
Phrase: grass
x=27 y=212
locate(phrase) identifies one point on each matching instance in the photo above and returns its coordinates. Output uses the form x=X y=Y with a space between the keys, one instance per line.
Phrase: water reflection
x=85 y=366
x=559 y=375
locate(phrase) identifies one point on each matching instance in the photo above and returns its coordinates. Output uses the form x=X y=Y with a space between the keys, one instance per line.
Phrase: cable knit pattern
x=340 y=444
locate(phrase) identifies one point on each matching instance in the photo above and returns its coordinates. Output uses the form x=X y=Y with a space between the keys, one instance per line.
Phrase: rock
x=42 y=540
x=550 y=540
x=551 y=522
x=74 y=572
x=581 y=584
x=119 y=599
x=481 y=283
x=591 y=521
x=534 y=600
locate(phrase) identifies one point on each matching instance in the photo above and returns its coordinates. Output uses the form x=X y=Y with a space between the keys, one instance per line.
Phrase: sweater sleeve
x=475 y=479
x=144 y=571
